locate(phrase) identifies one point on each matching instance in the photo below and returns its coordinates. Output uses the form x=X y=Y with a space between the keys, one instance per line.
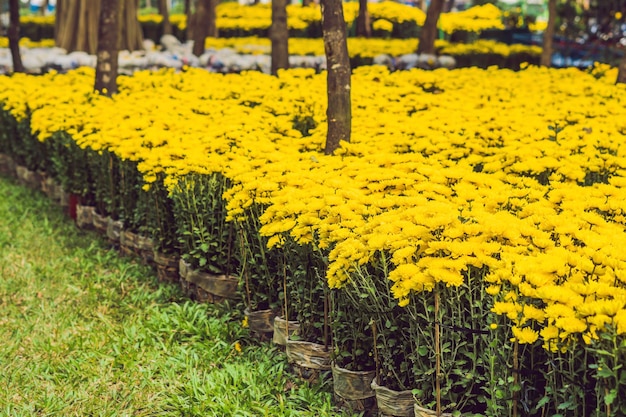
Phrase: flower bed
x=472 y=231
x=235 y=20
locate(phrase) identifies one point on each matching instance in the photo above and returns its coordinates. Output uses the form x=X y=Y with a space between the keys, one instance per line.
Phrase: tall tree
x=363 y=24
x=106 y=68
x=14 y=35
x=164 y=10
x=76 y=27
x=44 y=7
x=621 y=73
x=339 y=110
x=428 y=34
x=189 y=13
x=204 y=24
x=3 y=9
x=279 y=34
x=548 y=35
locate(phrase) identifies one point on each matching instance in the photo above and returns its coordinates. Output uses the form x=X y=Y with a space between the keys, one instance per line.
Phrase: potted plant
x=353 y=352
x=261 y=274
x=210 y=258
x=310 y=349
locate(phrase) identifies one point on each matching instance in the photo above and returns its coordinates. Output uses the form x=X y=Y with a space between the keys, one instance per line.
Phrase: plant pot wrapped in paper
x=284 y=330
x=393 y=403
x=205 y=287
x=354 y=366
x=84 y=216
x=7 y=165
x=167 y=267
x=28 y=178
x=100 y=223
x=261 y=323
x=309 y=358
x=137 y=244
x=262 y=272
x=353 y=390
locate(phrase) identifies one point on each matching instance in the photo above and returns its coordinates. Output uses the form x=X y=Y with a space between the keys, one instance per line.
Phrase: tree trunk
x=548 y=35
x=165 y=12
x=428 y=33
x=621 y=74
x=149 y=4
x=130 y=35
x=203 y=24
x=306 y=3
x=450 y=5
x=14 y=35
x=200 y=29
x=76 y=27
x=106 y=68
x=339 y=112
x=44 y=8
x=2 y=8
x=212 y=23
x=363 y=24
x=279 y=34
x=191 y=20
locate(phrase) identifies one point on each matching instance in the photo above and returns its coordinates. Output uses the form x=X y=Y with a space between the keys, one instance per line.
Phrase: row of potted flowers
x=354 y=390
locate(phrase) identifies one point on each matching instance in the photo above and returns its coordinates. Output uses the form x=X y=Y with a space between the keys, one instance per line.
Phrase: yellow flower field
x=233 y=16
x=520 y=172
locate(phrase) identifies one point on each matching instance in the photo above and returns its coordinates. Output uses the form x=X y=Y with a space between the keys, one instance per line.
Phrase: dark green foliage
x=208 y=242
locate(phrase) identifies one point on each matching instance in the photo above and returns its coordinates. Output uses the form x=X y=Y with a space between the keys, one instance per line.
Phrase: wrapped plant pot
x=28 y=178
x=7 y=165
x=166 y=267
x=353 y=390
x=100 y=223
x=84 y=216
x=62 y=196
x=283 y=330
x=424 y=412
x=308 y=359
x=135 y=244
x=53 y=190
x=261 y=323
x=394 y=403
x=114 y=230
x=207 y=287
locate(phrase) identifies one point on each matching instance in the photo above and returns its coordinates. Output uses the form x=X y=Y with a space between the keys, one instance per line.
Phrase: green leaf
x=610 y=397
x=422 y=351
x=604 y=372
x=543 y=401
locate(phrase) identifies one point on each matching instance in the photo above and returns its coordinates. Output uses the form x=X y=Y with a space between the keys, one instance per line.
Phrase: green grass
x=84 y=332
